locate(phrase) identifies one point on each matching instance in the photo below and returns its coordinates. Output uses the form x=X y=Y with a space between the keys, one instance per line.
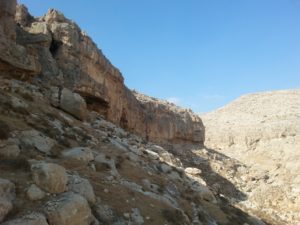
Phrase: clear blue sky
x=199 y=53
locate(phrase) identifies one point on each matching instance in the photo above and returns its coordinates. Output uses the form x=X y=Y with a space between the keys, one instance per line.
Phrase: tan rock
x=192 y=171
x=79 y=155
x=9 y=151
x=22 y=17
x=50 y=177
x=34 y=193
x=68 y=209
x=73 y=103
x=38 y=140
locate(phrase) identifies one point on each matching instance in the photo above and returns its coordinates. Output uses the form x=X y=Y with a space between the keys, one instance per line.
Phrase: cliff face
x=14 y=59
x=263 y=131
x=55 y=50
x=170 y=121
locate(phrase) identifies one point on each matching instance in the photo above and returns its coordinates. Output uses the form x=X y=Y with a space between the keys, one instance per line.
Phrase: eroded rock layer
x=54 y=49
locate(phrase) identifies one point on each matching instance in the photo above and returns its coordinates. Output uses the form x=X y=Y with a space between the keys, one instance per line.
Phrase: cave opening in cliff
x=97 y=104
x=55 y=45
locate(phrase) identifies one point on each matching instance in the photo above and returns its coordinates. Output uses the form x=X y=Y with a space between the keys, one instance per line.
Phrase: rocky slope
x=58 y=170
x=79 y=148
x=263 y=131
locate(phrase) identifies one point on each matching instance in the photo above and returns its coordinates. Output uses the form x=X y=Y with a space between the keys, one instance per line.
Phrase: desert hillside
x=263 y=131
x=77 y=147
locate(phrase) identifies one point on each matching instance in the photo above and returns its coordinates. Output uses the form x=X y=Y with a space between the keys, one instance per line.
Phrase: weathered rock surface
x=169 y=122
x=68 y=209
x=35 y=139
x=50 y=177
x=263 y=131
x=15 y=60
x=73 y=103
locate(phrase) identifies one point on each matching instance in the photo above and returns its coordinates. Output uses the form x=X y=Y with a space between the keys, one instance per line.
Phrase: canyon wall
x=55 y=51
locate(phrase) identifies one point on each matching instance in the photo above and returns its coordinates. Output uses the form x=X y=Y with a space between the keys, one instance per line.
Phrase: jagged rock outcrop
x=263 y=131
x=69 y=59
x=15 y=60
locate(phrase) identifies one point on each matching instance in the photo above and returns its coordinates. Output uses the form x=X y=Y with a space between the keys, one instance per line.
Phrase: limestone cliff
x=53 y=49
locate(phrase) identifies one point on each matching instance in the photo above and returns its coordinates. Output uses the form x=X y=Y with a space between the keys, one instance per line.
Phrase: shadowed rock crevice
x=54 y=47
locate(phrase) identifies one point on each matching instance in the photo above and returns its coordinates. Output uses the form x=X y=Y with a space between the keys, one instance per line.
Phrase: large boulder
x=69 y=101
x=50 y=177
x=68 y=209
x=73 y=103
x=39 y=141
